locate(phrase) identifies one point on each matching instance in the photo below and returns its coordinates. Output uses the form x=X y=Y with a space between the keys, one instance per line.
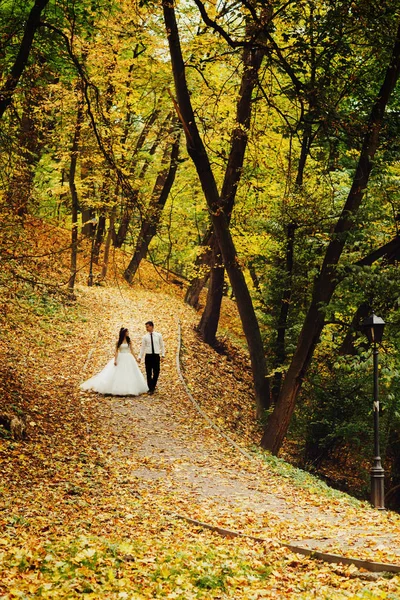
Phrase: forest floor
x=90 y=500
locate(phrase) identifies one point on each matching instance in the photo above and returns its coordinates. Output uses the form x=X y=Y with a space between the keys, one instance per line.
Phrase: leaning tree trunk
x=132 y=200
x=326 y=282
x=202 y=268
x=74 y=196
x=208 y=325
x=252 y=59
x=201 y=161
x=132 y=197
x=32 y=24
x=208 y=259
x=159 y=196
x=391 y=254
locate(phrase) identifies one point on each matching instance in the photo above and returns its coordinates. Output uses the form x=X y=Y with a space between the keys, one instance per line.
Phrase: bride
x=121 y=376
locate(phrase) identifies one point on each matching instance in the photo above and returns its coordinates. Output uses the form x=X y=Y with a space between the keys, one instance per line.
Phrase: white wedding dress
x=123 y=379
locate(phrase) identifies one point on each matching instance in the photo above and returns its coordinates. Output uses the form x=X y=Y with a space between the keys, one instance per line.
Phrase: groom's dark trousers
x=152 y=363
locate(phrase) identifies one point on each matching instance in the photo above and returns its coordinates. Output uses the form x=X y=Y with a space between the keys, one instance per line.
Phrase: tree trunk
x=133 y=194
x=197 y=284
x=101 y=227
x=280 y=347
x=131 y=201
x=200 y=159
x=21 y=60
x=208 y=325
x=87 y=211
x=20 y=188
x=347 y=346
x=74 y=196
x=325 y=284
x=252 y=60
x=202 y=267
x=107 y=244
x=390 y=250
x=159 y=196
x=391 y=253
x=87 y=215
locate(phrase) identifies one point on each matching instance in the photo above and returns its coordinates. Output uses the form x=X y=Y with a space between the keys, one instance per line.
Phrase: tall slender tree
x=251 y=60
x=198 y=154
x=159 y=197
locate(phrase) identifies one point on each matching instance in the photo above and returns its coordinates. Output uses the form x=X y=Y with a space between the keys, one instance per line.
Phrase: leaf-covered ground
x=90 y=501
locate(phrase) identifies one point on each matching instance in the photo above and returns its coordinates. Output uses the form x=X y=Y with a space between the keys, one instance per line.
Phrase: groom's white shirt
x=158 y=344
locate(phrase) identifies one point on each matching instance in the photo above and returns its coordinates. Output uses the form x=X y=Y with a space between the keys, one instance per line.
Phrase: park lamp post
x=373 y=328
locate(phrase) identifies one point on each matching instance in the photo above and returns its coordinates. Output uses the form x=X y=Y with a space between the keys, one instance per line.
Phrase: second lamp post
x=373 y=327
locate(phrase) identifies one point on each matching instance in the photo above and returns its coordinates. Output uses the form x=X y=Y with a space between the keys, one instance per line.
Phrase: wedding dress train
x=123 y=379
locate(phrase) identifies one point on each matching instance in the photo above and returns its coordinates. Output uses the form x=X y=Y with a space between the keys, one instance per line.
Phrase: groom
x=151 y=349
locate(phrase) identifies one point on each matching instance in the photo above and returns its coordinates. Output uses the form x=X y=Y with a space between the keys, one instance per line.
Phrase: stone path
x=191 y=466
x=192 y=471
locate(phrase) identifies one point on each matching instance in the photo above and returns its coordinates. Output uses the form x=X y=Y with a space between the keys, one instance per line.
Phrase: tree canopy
x=248 y=147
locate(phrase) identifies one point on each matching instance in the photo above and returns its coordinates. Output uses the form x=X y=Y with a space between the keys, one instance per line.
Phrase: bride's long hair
x=121 y=338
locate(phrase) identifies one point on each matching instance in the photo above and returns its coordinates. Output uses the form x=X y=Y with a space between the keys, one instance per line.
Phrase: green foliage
x=4 y=433
x=302 y=478
x=96 y=565
x=315 y=93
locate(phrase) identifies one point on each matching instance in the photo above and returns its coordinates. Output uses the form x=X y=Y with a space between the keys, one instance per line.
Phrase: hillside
x=91 y=498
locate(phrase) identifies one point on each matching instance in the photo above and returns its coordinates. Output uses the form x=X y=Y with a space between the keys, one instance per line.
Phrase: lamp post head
x=373 y=327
